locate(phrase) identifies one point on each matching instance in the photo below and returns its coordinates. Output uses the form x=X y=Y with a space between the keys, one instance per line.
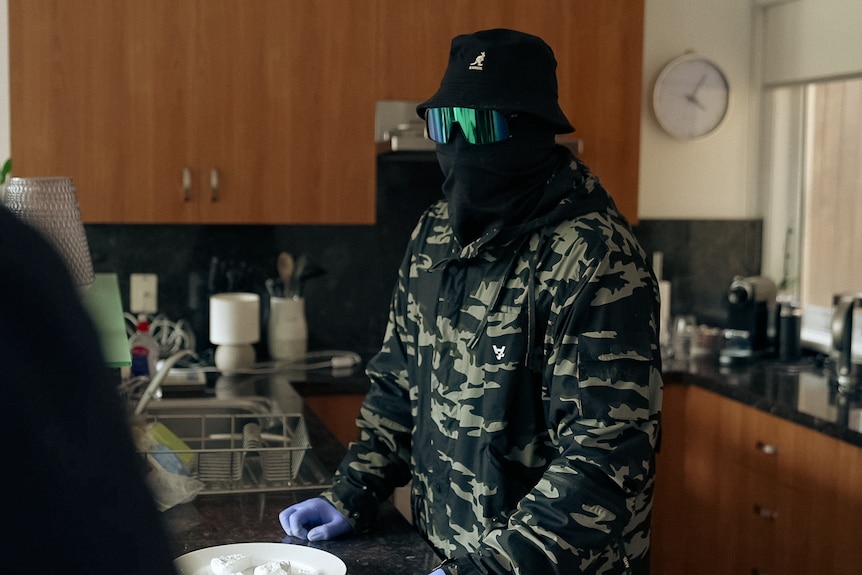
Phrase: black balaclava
x=502 y=182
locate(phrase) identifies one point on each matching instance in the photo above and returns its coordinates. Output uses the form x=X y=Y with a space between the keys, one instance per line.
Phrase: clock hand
x=697 y=88
x=692 y=99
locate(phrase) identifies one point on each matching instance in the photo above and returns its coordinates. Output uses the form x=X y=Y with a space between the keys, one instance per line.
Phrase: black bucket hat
x=504 y=70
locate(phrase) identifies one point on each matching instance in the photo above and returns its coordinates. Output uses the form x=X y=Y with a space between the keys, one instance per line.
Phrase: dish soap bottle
x=145 y=350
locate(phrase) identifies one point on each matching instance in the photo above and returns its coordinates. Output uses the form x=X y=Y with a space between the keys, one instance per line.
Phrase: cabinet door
x=271 y=97
x=99 y=92
x=821 y=509
x=285 y=109
x=766 y=495
x=670 y=519
x=845 y=517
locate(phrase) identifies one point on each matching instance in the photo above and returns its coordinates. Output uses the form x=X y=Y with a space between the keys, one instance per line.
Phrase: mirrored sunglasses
x=478 y=126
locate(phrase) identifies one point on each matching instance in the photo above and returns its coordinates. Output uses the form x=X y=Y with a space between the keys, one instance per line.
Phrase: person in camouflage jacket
x=518 y=385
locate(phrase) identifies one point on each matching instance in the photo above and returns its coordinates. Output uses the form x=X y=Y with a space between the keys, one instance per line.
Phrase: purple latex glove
x=318 y=513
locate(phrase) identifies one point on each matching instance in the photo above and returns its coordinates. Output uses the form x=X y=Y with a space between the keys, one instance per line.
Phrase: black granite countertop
x=800 y=392
x=393 y=546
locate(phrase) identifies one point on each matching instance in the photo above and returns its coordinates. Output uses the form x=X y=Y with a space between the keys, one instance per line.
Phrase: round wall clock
x=690 y=97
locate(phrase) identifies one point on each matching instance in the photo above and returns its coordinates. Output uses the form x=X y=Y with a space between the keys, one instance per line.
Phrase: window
x=813 y=181
x=832 y=195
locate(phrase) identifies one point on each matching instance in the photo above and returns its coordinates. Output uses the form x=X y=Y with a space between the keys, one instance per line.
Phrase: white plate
x=304 y=560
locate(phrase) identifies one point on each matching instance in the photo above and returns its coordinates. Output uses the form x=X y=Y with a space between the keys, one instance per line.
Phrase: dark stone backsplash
x=347 y=307
x=701 y=258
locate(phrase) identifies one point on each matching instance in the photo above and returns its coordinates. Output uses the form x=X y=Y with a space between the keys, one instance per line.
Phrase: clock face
x=690 y=98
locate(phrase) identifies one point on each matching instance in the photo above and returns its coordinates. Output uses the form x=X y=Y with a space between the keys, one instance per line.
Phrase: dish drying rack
x=258 y=453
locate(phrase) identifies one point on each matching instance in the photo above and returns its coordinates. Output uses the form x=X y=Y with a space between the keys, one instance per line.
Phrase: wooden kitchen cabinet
x=132 y=98
x=742 y=491
x=338 y=413
x=277 y=98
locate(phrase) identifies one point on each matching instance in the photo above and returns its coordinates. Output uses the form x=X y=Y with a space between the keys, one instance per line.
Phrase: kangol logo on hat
x=478 y=63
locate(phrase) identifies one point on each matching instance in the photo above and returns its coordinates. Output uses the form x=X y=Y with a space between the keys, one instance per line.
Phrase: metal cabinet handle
x=767 y=448
x=214 y=185
x=187 y=185
x=764 y=512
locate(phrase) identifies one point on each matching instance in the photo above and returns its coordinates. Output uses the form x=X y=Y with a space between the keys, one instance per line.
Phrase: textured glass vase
x=51 y=206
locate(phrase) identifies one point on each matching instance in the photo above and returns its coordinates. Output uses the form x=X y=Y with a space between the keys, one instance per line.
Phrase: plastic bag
x=168 y=477
x=170 y=489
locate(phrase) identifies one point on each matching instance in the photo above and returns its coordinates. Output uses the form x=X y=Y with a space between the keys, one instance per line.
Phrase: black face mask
x=497 y=183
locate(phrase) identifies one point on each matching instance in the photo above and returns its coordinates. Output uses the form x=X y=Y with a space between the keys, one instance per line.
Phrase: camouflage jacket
x=519 y=388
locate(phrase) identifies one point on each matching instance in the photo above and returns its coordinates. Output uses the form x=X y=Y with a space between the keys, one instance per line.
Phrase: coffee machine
x=751 y=318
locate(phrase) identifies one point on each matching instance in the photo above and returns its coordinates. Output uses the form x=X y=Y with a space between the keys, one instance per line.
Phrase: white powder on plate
x=273 y=568
x=230 y=564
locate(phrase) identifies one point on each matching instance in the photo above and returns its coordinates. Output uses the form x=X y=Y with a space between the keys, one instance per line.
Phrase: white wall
x=715 y=177
x=780 y=41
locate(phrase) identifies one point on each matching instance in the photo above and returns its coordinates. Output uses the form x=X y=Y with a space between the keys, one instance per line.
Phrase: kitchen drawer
x=775 y=526
x=743 y=491
x=785 y=452
x=788 y=453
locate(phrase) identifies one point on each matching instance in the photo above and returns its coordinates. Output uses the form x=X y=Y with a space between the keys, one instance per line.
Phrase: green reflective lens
x=478 y=126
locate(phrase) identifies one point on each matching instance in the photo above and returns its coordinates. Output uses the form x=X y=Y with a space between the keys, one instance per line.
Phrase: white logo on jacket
x=499 y=351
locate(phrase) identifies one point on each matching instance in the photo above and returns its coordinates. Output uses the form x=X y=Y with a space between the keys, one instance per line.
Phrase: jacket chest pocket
x=502 y=339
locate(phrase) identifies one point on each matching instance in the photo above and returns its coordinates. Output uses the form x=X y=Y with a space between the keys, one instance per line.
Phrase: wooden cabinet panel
x=286 y=111
x=338 y=413
x=264 y=93
x=277 y=98
x=670 y=516
x=83 y=104
x=757 y=493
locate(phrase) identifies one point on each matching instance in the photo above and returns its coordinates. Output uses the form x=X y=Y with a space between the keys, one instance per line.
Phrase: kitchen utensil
x=298 y=279
x=286 y=267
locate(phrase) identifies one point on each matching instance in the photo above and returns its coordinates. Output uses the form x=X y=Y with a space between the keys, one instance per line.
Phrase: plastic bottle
x=145 y=350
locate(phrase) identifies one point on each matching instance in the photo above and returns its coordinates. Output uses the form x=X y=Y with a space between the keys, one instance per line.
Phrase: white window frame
x=787 y=172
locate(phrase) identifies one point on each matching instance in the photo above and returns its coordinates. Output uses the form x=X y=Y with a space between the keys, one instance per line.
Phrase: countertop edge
x=757 y=401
